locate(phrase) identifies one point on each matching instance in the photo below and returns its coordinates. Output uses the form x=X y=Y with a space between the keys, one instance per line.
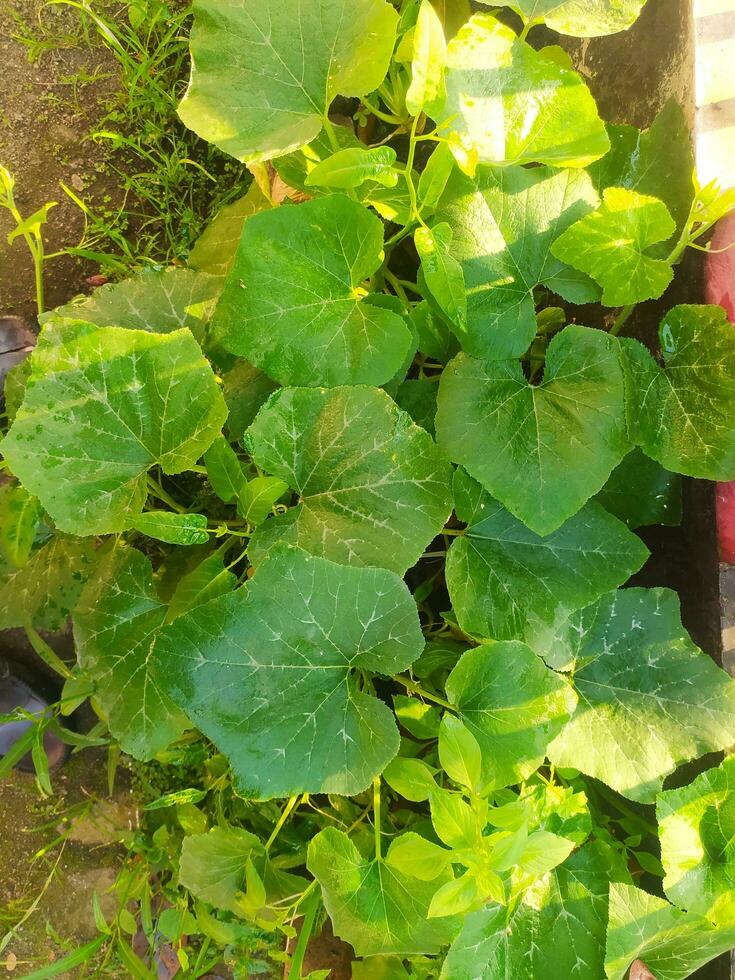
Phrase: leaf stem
x=385 y=116
x=415 y=688
x=376 y=817
x=292 y=802
x=157 y=490
x=44 y=651
x=621 y=319
x=307 y=926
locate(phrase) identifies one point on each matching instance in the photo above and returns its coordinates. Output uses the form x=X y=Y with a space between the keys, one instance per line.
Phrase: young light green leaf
x=459 y=753
x=115 y=624
x=640 y=492
x=159 y=302
x=682 y=414
x=502 y=576
x=163 y=525
x=373 y=905
x=19 y=517
x=504 y=222
x=513 y=705
x=454 y=821
x=673 y=944
x=255 y=95
x=293 y=301
x=434 y=177
x=212 y=865
x=214 y=250
x=612 y=245
x=416 y=857
x=315 y=623
x=697 y=831
x=45 y=591
x=258 y=496
x=558 y=929
x=512 y=104
x=442 y=272
x=411 y=778
x=542 y=450
x=374 y=488
x=224 y=470
x=649 y=699
x=353 y=166
x=123 y=401
x=542 y=852
x=427 y=65
x=455 y=897
x=578 y=18
x=417 y=717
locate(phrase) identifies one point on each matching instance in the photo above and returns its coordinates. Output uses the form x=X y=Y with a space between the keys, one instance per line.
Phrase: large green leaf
x=649 y=699
x=512 y=104
x=264 y=74
x=102 y=406
x=214 y=250
x=212 y=865
x=372 y=905
x=293 y=301
x=697 y=831
x=557 y=931
x=513 y=705
x=159 y=302
x=542 y=450
x=374 y=488
x=577 y=18
x=613 y=245
x=501 y=575
x=45 y=591
x=682 y=414
x=658 y=161
x=672 y=944
x=641 y=492
x=271 y=673
x=504 y=222
x=115 y=624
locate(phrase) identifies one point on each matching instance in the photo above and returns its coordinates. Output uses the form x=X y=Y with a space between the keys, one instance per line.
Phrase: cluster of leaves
x=345 y=507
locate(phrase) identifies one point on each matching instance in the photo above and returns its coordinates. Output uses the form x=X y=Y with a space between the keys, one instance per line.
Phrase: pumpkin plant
x=343 y=511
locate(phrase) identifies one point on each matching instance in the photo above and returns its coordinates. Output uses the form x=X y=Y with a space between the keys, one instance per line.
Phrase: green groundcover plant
x=342 y=512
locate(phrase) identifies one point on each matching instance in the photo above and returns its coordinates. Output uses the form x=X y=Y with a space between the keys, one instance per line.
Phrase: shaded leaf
x=502 y=576
x=641 y=492
x=268 y=673
x=578 y=18
x=45 y=591
x=374 y=488
x=115 y=625
x=214 y=250
x=541 y=450
x=212 y=865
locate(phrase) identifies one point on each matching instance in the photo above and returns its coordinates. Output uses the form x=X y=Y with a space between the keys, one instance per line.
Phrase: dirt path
x=44 y=119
